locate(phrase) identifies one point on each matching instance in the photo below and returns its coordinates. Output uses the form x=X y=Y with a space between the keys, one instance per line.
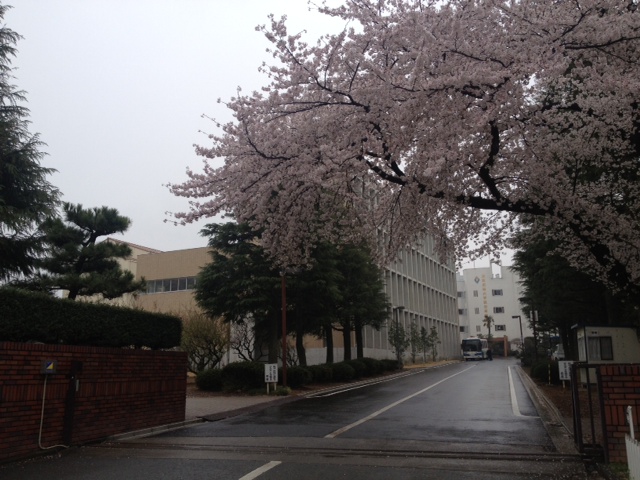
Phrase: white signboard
x=271 y=373
x=564 y=368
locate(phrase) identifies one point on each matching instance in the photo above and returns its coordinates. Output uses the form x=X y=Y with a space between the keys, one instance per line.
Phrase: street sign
x=271 y=373
x=49 y=367
x=564 y=368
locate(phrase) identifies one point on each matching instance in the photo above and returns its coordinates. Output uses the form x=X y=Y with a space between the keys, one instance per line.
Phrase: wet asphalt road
x=461 y=421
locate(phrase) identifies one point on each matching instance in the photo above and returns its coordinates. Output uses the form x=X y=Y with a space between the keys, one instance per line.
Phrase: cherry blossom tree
x=450 y=119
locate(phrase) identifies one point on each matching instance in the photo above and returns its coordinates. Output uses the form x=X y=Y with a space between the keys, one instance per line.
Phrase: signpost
x=564 y=369
x=271 y=375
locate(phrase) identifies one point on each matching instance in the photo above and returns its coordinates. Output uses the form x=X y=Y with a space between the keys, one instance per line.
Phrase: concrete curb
x=552 y=420
x=146 y=432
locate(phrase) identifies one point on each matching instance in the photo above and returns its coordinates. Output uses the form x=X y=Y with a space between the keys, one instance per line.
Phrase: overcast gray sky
x=116 y=89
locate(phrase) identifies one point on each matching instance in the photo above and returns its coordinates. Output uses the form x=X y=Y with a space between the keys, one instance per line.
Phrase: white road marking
x=356 y=387
x=259 y=471
x=389 y=407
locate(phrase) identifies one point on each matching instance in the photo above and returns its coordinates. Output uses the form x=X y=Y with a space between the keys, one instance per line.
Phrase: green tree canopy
x=561 y=295
x=241 y=284
x=77 y=263
x=364 y=301
x=26 y=196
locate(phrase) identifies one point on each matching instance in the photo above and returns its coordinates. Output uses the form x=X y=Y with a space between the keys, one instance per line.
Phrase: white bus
x=475 y=348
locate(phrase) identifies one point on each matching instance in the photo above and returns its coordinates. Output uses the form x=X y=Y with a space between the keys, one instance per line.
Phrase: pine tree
x=76 y=262
x=26 y=197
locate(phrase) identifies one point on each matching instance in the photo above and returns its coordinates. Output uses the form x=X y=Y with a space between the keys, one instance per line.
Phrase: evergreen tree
x=26 y=197
x=240 y=284
x=561 y=295
x=77 y=263
x=364 y=301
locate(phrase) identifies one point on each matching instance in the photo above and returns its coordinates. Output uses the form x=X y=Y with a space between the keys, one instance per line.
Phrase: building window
x=478 y=327
x=460 y=294
x=476 y=310
x=475 y=293
x=171 y=285
x=600 y=348
x=496 y=293
x=500 y=328
x=462 y=311
x=463 y=329
x=498 y=309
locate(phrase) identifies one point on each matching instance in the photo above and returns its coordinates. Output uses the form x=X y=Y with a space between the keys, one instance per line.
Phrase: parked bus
x=475 y=348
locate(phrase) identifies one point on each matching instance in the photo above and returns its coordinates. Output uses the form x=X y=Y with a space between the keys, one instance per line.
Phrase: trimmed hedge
x=342 y=372
x=209 y=380
x=297 y=376
x=321 y=373
x=374 y=366
x=36 y=317
x=249 y=376
x=390 y=365
x=242 y=376
x=359 y=367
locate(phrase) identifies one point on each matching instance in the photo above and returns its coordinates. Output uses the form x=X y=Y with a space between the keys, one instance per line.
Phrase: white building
x=492 y=291
x=421 y=291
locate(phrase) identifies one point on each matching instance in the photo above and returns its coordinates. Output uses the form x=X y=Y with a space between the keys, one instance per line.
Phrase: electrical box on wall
x=49 y=367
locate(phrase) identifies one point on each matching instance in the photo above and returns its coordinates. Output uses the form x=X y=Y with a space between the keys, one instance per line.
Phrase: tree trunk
x=302 y=354
x=272 y=338
x=328 y=335
x=359 y=340
x=346 y=339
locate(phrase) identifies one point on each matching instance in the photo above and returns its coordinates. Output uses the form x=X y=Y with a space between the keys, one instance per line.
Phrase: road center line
x=340 y=431
x=259 y=471
x=514 y=398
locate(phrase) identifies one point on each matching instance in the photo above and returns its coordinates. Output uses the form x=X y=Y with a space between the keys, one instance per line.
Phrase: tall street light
x=397 y=339
x=520 y=320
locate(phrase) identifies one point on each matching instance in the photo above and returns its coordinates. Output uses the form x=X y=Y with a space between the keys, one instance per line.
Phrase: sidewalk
x=216 y=407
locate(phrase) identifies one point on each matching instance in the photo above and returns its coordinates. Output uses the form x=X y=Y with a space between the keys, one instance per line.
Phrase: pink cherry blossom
x=444 y=119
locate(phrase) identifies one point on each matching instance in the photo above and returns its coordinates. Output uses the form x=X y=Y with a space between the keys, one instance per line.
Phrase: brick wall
x=620 y=387
x=118 y=390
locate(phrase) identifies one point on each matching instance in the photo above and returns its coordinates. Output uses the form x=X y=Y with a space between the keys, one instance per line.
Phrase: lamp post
x=397 y=339
x=520 y=320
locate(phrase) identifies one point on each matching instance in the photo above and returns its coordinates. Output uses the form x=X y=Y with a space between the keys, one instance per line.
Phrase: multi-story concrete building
x=420 y=289
x=493 y=291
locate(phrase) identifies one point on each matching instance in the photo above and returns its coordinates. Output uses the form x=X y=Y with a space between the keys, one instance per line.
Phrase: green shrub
x=282 y=391
x=242 y=376
x=29 y=316
x=342 y=372
x=374 y=366
x=298 y=376
x=321 y=373
x=359 y=367
x=540 y=371
x=209 y=380
x=204 y=339
x=390 y=365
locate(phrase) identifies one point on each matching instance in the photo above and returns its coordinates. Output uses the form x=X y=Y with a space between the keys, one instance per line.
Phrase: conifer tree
x=76 y=262
x=26 y=196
